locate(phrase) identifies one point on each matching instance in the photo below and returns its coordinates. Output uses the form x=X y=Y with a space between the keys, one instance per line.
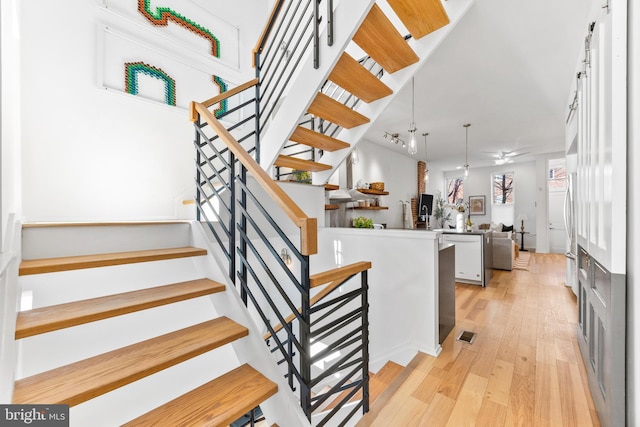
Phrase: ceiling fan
x=504 y=157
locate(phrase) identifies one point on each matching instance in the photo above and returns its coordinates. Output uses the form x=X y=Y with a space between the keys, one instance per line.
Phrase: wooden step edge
x=100 y=224
x=381 y=40
x=350 y=75
x=313 y=301
x=421 y=17
x=60 y=316
x=300 y=164
x=389 y=392
x=318 y=140
x=216 y=403
x=50 y=265
x=83 y=380
x=325 y=107
x=339 y=273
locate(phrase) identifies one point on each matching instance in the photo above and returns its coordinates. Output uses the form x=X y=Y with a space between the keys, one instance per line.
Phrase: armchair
x=505 y=250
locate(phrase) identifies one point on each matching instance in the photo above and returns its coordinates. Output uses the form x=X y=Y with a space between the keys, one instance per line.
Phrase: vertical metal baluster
x=198 y=160
x=232 y=218
x=305 y=339
x=290 y=352
x=243 y=227
x=316 y=34
x=330 y=22
x=257 y=121
x=365 y=340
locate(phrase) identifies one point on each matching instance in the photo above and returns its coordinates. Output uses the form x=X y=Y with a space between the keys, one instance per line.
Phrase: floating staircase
x=218 y=402
x=355 y=81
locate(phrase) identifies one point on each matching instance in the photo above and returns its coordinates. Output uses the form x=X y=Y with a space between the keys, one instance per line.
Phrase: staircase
x=180 y=351
x=354 y=92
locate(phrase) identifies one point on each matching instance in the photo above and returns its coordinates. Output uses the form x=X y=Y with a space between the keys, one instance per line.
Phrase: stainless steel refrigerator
x=570 y=227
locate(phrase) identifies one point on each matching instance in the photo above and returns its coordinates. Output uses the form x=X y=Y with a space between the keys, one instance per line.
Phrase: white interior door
x=557 y=234
x=557 y=185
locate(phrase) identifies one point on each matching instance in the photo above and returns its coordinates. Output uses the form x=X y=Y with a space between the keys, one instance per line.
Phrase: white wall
x=633 y=236
x=398 y=172
x=526 y=200
x=91 y=154
x=10 y=113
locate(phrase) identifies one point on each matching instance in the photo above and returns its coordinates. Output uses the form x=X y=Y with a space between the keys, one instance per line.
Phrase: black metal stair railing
x=293 y=31
x=253 y=220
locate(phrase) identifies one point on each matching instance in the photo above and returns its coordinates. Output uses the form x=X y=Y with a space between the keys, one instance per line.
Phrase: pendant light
x=466 y=150
x=426 y=164
x=413 y=144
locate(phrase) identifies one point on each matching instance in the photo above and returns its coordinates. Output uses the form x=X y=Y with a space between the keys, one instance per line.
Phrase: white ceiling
x=507 y=69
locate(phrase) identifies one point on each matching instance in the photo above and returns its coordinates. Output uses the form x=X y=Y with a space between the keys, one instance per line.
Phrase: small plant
x=302 y=176
x=440 y=212
x=362 y=222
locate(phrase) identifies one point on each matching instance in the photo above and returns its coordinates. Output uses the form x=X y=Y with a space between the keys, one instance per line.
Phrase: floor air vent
x=466 y=336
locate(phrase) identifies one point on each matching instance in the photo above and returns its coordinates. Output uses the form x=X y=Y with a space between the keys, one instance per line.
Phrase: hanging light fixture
x=413 y=144
x=355 y=159
x=466 y=150
x=426 y=164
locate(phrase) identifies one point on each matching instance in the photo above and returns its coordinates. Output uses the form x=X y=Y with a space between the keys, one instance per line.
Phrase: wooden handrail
x=308 y=226
x=324 y=292
x=338 y=273
x=267 y=30
x=193 y=115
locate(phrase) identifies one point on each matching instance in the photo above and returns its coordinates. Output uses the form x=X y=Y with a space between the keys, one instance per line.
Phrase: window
x=455 y=190
x=557 y=178
x=502 y=184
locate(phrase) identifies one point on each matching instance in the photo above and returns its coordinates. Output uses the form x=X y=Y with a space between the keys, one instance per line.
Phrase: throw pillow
x=507 y=228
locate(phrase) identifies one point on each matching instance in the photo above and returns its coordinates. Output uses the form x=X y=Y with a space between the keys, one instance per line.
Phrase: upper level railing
x=291 y=33
x=267 y=240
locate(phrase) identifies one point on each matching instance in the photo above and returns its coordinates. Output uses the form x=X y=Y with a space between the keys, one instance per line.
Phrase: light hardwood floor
x=523 y=369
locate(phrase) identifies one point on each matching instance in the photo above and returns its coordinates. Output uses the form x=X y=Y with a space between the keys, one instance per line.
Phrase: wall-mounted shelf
x=371 y=208
x=373 y=192
x=329 y=187
x=331 y=207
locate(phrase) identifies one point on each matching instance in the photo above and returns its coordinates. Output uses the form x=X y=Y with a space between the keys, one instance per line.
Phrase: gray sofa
x=504 y=250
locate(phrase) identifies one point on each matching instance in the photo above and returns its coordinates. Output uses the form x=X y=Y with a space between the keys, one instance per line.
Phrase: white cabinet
x=470 y=257
x=601 y=136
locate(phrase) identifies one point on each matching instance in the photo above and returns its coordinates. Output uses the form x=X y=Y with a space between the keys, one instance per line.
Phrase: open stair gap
x=216 y=403
x=78 y=382
x=60 y=316
x=50 y=265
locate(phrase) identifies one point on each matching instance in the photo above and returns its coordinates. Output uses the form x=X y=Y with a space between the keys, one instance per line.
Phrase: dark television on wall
x=425 y=208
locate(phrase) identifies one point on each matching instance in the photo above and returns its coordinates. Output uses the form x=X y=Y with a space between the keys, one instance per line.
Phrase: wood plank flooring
x=523 y=369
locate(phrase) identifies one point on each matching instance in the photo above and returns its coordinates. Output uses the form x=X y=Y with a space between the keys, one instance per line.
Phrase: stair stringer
x=283 y=408
x=424 y=48
x=347 y=17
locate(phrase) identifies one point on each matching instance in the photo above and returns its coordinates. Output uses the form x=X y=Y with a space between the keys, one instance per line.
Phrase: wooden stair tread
x=51 y=318
x=300 y=164
x=216 y=403
x=377 y=384
x=78 y=382
x=381 y=40
x=389 y=372
x=49 y=265
x=357 y=80
x=421 y=17
x=336 y=112
x=338 y=273
x=317 y=140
